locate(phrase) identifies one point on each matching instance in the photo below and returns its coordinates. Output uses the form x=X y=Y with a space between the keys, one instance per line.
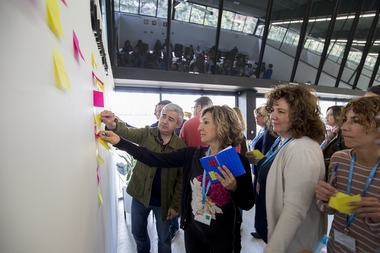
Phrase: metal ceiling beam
x=349 y=42
x=217 y=36
x=301 y=40
x=375 y=69
x=327 y=41
x=265 y=36
x=367 y=47
x=168 y=31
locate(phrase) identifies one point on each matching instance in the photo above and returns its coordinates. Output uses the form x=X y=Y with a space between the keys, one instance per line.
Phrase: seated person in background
x=135 y=59
x=334 y=140
x=373 y=91
x=157 y=49
x=127 y=46
x=140 y=47
x=210 y=214
x=198 y=52
x=149 y=61
x=268 y=73
x=357 y=173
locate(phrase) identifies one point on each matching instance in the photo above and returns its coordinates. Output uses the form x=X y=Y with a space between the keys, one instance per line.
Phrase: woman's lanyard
x=371 y=175
x=271 y=153
x=204 y=188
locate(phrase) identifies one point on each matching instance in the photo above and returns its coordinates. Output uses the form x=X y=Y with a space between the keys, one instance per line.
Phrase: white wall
x=48 y=179
x=133 y=28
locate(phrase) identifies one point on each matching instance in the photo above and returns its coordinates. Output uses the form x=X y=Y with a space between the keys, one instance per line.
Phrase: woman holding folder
x=357 y=174
x=209 y=212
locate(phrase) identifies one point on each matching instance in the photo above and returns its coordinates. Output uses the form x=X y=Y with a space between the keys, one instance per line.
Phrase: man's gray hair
x=174 y=108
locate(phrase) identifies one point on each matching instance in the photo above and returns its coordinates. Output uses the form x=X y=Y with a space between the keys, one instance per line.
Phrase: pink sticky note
x=77 y=50
x=97 y=78
x=98 y=174
x=98 y=99
x=63 y=1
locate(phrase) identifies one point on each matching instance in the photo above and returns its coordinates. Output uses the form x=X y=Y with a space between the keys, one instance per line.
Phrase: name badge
x=204 y=218
x=345 y=240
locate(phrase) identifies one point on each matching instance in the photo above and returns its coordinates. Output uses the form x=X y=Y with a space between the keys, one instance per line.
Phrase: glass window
x=130 y=6
x=227 y=20
x=239 y=22
x=260 y=31
x=182 y=12
x=198 y=13
x=250 y=24
x=162 y=9
x=117 y=5
x=211 y=19
x=148 y=7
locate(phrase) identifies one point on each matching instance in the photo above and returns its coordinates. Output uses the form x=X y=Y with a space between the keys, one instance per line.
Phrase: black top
x=188 y=158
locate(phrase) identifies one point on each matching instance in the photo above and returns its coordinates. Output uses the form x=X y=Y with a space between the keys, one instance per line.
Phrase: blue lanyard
x=205 y=189
x=349 y=184
x=272 y=153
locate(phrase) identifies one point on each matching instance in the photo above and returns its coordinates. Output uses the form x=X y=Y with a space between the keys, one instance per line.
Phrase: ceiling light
x=236 y=2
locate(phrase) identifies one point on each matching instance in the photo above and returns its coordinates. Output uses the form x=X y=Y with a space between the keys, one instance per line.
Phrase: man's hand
x=109 y=136
x=108 y=118
x=171 y=213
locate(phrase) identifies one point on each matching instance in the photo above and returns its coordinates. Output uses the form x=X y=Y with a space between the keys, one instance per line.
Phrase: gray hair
x=174 y=108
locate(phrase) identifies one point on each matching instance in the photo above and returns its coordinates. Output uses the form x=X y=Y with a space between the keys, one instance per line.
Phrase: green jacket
x=140 y=185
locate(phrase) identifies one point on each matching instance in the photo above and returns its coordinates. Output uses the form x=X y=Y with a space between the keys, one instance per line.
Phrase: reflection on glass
x=182 y=12
x=162 y=9
x=239 y=22
x=250 y=25
x=227 y=19
x=198 y=13
x=148 y=7
x=131 y=6
x=211 y=19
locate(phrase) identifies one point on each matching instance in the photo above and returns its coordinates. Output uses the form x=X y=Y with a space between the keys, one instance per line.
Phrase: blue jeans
x=139 y=218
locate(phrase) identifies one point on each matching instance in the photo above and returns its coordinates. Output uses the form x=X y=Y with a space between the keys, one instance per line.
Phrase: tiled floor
x=126 y=243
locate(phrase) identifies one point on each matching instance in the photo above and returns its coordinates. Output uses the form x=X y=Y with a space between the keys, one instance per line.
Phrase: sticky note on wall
x=98 y=99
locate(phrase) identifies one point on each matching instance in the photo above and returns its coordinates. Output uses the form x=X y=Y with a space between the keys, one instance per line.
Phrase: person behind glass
x=357 y=173
x=287 y=216
x=157 y=49
x=242 y=147
x=209 y=213
x=334 y=140
x=126 y=49
x=190 y=133
x=154 y=189
x=262 y=142
x=135 y=59
x=373 y=91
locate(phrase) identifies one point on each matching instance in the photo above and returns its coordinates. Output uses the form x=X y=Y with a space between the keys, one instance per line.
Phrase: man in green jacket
x=153 y=189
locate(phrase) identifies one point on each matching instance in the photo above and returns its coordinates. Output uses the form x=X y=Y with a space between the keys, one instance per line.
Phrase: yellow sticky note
x=53 y=16
x=98 y=121
x=104 y=144
x=99 y=159
x=340 y=201
x=257 y=154
x=100 y=198
x=61 y=78
x=94 y=65
x=100 y=85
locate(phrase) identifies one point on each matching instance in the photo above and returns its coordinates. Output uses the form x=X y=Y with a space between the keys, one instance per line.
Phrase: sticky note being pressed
x=340 y=201
x=257 y=154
